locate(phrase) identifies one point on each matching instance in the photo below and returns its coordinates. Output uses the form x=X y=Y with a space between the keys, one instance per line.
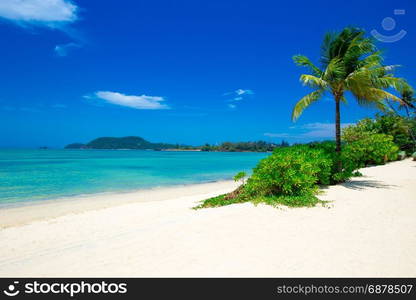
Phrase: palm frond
x=379 y=70
x=407 y=93
x=357 y=48
x=374 y=77
x=334 y=71
x=372 y=60
x=348 y=44
x=329 y=38
x=313 y=81
x=389 y=82
x=302 y=60
x=372 y=95
x=305 y=102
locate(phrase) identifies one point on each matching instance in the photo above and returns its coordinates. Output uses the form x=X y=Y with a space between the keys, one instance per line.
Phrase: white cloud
x=277 y=135
x=55 y=14
x=132 y=101
x=237 y=95
x=321 y=130
x=244 y=92
x=239 y=92
x=309 y=131
x=64 y=49
x=39 y=12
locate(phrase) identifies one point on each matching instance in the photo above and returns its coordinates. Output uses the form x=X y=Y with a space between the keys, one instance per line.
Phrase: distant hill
x=75 y=146
x=128 y=142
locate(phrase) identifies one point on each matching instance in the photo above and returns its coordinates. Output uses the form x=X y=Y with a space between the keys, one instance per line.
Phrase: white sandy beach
x=369 y=229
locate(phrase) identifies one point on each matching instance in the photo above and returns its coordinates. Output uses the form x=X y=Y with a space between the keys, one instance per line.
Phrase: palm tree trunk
x=338 y=132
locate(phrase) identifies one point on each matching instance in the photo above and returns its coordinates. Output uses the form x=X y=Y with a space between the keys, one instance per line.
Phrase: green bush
x=335 y=176
x=288 y=171
x=402 y=129
x=308 y=200
x=240 y=176
x=373 y=149
x=221 y=200
x=362 y=129
x=289 y=176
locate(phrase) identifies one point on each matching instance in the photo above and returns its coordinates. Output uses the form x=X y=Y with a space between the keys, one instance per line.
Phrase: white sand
x=369 y=230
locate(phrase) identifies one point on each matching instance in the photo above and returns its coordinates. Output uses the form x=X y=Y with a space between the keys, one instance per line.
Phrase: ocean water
x=31 y=175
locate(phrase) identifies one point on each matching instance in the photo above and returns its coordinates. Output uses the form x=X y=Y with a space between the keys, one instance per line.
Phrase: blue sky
x=176 y=71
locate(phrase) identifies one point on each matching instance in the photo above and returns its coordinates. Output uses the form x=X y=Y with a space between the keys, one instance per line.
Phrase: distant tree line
x=259 y=146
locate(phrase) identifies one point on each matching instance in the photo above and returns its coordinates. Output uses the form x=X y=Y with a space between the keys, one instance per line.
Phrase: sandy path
x=369 y=230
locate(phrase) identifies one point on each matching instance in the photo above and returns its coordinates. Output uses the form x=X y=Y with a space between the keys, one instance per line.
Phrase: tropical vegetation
x=352 y=64
x=259 y=146
x=291 y=175
x=401 y=129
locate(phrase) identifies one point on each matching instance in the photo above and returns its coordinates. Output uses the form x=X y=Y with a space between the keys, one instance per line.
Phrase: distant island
x=138 y=143
x=128 y=142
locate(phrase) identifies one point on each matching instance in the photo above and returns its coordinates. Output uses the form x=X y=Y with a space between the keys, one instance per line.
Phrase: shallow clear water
x=29 y=175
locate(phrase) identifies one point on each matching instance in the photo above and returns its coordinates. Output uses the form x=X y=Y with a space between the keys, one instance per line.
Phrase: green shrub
x=240 y=176
x=414 y=156
x=288 y=171
x=289 y=176
x=290 y=201
x=221 y=200
x=402 y=129
x=335 y=175
x=358 y=131
x=373 y=149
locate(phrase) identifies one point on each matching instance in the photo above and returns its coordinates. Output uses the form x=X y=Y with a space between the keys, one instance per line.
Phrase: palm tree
x=406 y=95
x=408 y=101
x=350 y=63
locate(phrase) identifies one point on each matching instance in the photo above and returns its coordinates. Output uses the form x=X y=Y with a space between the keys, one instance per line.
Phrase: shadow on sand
x=361 y=184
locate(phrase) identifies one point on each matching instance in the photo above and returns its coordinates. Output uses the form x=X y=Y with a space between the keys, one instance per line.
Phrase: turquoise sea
x=31 y=175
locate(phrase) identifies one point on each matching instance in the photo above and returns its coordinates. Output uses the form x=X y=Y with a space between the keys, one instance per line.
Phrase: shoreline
x=26 y=203
x=29 y=211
